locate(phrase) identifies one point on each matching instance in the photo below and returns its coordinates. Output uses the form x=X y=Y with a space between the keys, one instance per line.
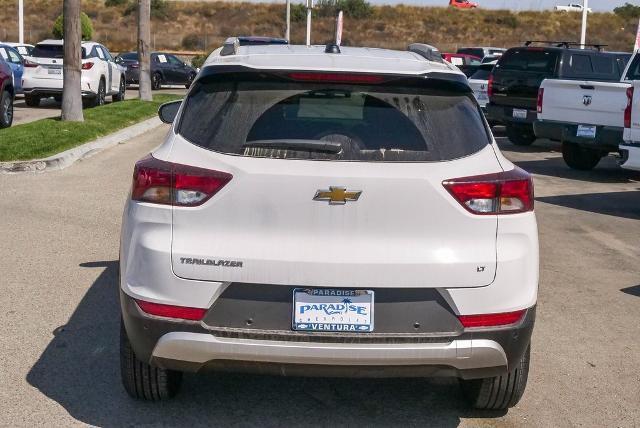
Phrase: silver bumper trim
x=201 y=348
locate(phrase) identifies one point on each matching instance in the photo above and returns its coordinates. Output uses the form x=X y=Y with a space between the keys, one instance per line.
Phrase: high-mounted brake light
x=540 y=99
x=30 y=64
x=628 y=110
x=507 y=192
x=337 y=77
x=167 y=183
x=491 y=320
x=170 y=311
x=490 y=86
x=87 y=65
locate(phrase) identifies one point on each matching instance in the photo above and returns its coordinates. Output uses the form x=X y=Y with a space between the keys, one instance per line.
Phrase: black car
x=516 y=78
x=166 y=69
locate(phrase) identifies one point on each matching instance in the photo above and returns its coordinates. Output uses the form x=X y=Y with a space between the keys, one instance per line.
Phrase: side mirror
x=168 y=111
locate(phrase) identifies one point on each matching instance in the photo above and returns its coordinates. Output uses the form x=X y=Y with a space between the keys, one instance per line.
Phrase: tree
x=144 y=55
x=628 y=11
x=85 y=25
x=71 y=93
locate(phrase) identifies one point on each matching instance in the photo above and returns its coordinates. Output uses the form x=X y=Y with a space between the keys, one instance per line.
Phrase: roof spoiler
x=231 y=45
x=428 y=52
x=565 y=45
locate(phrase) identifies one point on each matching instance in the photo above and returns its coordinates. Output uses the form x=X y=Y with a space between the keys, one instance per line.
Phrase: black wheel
x=156 y=81
x=190 y=80
x=580 y=158
x=58 y=98
x=143 y=381
x=500 y=392
x=6 y=109
x=32 y=100
x=520 y=135
x=121 y=92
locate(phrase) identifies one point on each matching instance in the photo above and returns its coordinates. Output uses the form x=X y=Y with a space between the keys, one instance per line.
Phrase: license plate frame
x=54 y=71
x=586 y=131
x=517 y=113
x=355 y=316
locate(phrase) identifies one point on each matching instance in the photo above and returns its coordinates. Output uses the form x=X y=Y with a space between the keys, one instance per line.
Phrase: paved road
x=59 y=312
x=50 y=108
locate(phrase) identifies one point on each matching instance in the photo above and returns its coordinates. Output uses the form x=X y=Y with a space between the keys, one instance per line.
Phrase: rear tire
x=192 y=76
x=500 y=392
x=6 y=109
x=143 y=381
x=121 y=92
x=521 y=135
x=32 y=100
x=156 y=81
x=580 y=158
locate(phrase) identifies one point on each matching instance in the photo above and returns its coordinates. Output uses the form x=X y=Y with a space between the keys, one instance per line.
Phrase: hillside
x=204 y=25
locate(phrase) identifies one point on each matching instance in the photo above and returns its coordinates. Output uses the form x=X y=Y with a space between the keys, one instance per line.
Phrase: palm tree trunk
x=71 y=92
x=144 y=54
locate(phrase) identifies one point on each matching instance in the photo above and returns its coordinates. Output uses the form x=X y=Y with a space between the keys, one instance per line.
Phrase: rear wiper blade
x=293 y=144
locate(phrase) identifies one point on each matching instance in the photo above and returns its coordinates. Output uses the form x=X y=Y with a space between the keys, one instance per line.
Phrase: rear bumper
x=195 y=346
x=50 y=92
x=504 y=114
x=630 y=156
x=607 y=138
x=37 y=86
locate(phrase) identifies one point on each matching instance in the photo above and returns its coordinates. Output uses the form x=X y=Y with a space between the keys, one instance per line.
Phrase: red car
x=6 y=94
x=462 y=4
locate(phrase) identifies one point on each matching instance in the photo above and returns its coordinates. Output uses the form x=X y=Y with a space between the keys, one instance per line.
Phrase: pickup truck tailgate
x=584 y=102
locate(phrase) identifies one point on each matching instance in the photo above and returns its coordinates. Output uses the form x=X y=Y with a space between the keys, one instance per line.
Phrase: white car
x=329 y=211
x=23 y=49
x=479 y=83
x=101 y=76
x=572 y=7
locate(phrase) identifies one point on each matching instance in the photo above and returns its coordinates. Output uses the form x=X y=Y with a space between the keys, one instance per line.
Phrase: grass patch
x=47 y=137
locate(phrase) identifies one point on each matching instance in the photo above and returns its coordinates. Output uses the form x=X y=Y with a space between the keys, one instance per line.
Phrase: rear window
x=478 y=52
x=529 y=60
x=634 y=69
x=130 y=56
x=482 y=73
x=593 y=65
x=358 y=122
x=52 y=51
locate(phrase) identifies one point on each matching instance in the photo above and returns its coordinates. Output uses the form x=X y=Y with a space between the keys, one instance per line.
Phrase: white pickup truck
x=630 y=149
x=587 y=116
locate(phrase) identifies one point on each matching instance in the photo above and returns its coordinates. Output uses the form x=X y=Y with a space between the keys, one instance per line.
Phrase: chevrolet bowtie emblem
x=336 y=195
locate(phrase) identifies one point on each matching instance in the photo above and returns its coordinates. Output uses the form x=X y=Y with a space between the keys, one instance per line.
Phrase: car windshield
x=529 y=60
x=130 y=56
x=52 y=51
x=368 y=123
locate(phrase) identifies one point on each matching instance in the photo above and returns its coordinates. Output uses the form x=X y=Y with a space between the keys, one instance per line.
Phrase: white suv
x=338 y=212
x=101 y=76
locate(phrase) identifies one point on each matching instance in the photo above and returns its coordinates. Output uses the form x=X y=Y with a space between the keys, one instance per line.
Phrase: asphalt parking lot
x=60 y=315
x=50 y=108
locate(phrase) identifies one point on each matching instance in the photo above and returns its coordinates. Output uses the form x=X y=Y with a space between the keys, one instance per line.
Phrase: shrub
x=114 y=3
x=85 y=26
x=192 y=42
x=357 y=9
x=298 y=12
x=627 y=11
x=198 y=60
x=159 y=9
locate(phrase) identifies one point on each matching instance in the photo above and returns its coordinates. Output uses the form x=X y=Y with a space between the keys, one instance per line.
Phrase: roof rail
x=428 y=52
x=231 y=45
x=564 y=44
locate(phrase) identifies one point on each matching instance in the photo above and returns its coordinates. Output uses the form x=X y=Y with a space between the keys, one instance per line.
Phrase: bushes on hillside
x=357 y=9
x=627 y=11
x=192 y=42
x=85 y=26
x=159 y=8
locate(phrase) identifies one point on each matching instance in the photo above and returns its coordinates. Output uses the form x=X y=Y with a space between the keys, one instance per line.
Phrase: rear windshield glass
x=529 y=60
x=356 y=122
x=52 y=51
x=130 y=55
x=481 y=74
x=634 y=69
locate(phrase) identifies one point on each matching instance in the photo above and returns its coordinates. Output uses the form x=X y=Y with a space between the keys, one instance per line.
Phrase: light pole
x=583 y=36
x=309 y=7
x=21 y=21
x=288 y=31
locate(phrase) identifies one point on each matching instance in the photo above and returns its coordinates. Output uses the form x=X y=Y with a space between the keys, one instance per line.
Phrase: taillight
x=540 y=99
x=491 y=320
x=30 y=64
x=134 y=65
x=170 y=311
x=87 y=65
x=629 y=108
x=337 y=77
x=490 y=85
x=167 y=183
x=508 y=192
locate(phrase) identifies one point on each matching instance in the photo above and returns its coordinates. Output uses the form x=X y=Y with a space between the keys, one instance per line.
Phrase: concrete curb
x=68 y=157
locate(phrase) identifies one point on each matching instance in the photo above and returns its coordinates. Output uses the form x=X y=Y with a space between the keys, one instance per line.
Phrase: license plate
x=519 y=114
x=586 y=131
x=330 y=309
x=483 y=97
x=54 y=71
